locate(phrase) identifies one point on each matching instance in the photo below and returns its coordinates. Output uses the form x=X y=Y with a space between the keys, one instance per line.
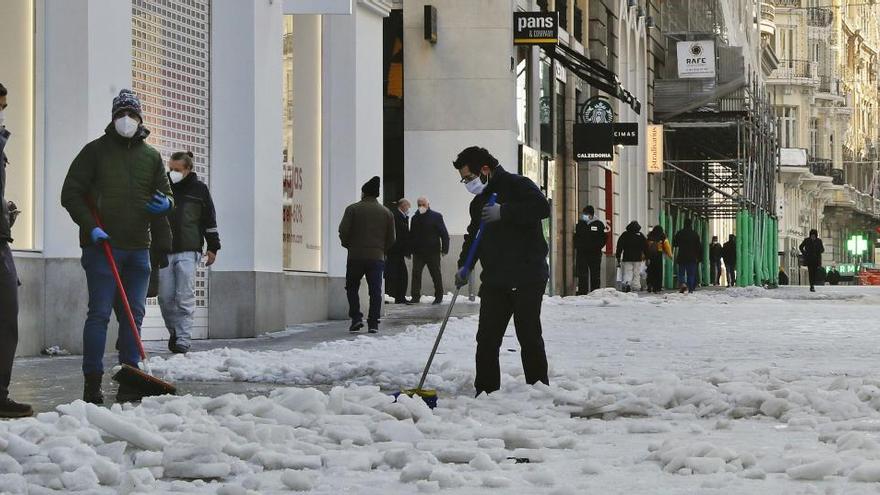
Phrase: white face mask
x=126 y=126
x=175 y=176
x=423 y=210
x=475 y=186
x=2 y=118
x=586 y=218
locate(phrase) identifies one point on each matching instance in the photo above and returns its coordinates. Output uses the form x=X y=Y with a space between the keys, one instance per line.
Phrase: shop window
x=545 y=106
x=523 y=86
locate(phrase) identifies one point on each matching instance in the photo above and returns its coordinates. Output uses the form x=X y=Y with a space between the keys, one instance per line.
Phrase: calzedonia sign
x=535 y=28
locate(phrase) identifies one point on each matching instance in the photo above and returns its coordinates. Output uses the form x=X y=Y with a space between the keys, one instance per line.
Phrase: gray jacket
x=5 y=221
x=367 y=230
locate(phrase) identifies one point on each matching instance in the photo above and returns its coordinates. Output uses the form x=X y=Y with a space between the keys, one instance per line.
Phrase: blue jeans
x=177 y=296
x=134 y=269
x=355 y=270
x=687 y=273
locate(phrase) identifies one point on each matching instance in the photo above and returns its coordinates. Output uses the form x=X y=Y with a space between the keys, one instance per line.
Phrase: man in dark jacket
x=716 y=252
x=367 y=231
x=589 y=241
x=396 y=277
x=811 y=248
x=513 y=254
x=125 y=179
x=8 y=284
x=632 y=249
x=728 y=253
x=430 y=241
x=193 y=222
x=690 y=252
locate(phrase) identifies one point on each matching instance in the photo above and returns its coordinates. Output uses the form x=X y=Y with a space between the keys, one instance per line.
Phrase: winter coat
x=632 y=245
x=367 y=230
x=513 y=250
x=589 y=239
x=5 y=221
x=193 y=220
x=121 y=176
x=716 y=252
x=658 y=245
x=729 y=253
x=403 y=240
x=429 y=234
x=690 y=247
x=812 y=250
x=159 y=249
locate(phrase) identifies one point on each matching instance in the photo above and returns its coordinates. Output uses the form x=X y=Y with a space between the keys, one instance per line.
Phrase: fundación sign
x=696 y=59
x=535 y=28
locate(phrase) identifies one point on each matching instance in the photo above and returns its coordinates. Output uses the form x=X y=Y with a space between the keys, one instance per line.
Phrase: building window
x=17 y=75
x=545 y=106
x=302 y=207
x=523 y=86
x=786 y=119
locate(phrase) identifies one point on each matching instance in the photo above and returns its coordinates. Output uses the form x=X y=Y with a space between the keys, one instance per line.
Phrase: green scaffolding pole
x=705 y=271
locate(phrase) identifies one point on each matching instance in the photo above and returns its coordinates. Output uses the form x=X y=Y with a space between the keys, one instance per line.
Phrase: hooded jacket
x=121 y=176
x=690 y=247
x=589 y=238
x=632 y=245
x=812 y=250
x=729 y=252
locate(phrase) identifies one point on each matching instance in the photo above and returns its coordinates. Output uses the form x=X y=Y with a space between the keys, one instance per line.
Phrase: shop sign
x=535 y=28
x=696 y=59
x=593 y=142
x=655 y=149
x=598 y=111
x=530 y=164
x=626 y=133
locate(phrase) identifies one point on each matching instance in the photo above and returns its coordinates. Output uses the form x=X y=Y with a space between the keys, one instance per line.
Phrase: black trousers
x=715 y=269
x=589 y=274
x=655 y=273
x=396 y=277
x=811 y=271
x=8 y=316
x=496 y=308
x=432 y=261
x=731 y=274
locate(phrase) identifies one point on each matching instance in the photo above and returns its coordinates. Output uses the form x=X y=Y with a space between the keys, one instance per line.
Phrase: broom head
x=428 y=395
x=144 y=383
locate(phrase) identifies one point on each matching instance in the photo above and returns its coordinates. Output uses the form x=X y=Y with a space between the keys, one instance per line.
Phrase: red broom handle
x=109 y=254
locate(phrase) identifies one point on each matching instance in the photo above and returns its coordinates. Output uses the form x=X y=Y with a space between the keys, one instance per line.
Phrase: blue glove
x=159 y=204
x=99 y=235
x=461 y=277
x=491 y=213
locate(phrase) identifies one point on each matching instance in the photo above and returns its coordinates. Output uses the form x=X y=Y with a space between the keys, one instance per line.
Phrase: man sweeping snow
x=513 y=254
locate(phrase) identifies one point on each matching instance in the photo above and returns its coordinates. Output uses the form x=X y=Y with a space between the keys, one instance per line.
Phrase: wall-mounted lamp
x=641 y=11
x=431 y=23
x=632 y=3
x=649 y=22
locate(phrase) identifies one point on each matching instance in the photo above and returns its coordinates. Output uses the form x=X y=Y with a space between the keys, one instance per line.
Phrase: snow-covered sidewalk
x=739 y=391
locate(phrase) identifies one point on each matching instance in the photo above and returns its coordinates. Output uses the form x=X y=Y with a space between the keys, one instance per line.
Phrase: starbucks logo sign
x=597 y=111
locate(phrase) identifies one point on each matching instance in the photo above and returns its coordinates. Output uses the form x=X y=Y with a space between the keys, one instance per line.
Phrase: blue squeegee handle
x=472 y=253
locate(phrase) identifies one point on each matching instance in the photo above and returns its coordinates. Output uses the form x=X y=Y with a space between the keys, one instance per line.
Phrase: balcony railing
x=787 y=3
x=768 y=18
x=795 y=69
x=830 y=85
x=819 y=17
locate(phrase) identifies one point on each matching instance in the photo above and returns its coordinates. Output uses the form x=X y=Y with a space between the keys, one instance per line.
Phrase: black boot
x=11 y=409
x=92 y=388
x=172 y=341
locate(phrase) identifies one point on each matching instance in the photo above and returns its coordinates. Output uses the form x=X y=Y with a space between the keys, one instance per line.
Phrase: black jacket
x=402 y=240
x=5 y=222
x=812 y=250
x=193 y=220
x=729 y=253
x=589 y=239
x=513 y=251
x=716 y=252
x=429 y=235
x=690 y=247
x=632 y=245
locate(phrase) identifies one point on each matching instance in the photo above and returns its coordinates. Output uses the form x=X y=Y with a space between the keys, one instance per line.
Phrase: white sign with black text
x=696 y=59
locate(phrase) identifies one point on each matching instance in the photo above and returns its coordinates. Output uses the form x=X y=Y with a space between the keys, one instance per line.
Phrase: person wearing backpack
x=658 y=245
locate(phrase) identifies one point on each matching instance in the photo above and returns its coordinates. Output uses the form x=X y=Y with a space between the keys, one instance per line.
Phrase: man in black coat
x=811 y=248
x=690 y=252
x=728 y=253
x=632 y=250
x=430 y=240
x=589 y=241
x=716 y=253
x=396 y=278
x=513 y=254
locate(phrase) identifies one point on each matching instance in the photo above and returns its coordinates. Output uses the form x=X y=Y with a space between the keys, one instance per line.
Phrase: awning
x=593 y=73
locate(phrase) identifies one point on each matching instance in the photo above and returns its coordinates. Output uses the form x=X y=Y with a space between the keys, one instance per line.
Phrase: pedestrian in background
x=716 y=253
x=430 y=242
x=124 y=178
x=193 y=224
x=811 y=248
x=690 y=252
x=8 y=281
x=396 y=277
x=728 y=254
x=589 y=242
x=658 y=245
x=367 y=232
x=513 y=254
x=632 y=249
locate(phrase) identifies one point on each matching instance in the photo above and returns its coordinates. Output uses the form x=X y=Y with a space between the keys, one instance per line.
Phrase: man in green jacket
x=367 y=231
x=124 y=179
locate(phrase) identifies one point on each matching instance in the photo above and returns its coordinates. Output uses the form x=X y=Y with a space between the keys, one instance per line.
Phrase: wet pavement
x=45 y=382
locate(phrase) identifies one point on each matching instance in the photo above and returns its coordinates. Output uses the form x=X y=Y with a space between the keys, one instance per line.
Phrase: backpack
x=654 y=246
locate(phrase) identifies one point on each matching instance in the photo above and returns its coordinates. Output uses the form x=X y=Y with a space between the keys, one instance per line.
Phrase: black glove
x=13 y=212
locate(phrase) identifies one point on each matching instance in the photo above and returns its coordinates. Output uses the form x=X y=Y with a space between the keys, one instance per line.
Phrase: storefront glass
x=523 y=84
x=545 y=106
x=17 y=75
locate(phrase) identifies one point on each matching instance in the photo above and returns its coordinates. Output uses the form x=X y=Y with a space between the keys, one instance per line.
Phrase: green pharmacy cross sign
x=857 y=245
